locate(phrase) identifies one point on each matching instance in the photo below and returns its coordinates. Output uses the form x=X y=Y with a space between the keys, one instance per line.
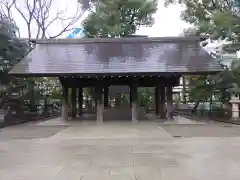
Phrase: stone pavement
x=57 y=150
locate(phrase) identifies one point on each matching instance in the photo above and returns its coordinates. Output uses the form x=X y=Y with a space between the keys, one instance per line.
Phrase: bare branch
x=79 y=13
x=54 y=19
x=48 y=7
x=37 y=15
x=20 y=12
x=6 y=8
x=30 y=9
x=42 y=14
x=40 y=17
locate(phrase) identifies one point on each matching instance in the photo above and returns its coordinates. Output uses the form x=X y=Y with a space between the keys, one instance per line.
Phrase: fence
x=205 y=113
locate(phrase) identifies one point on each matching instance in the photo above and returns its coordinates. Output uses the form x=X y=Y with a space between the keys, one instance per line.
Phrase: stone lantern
x=235 y=106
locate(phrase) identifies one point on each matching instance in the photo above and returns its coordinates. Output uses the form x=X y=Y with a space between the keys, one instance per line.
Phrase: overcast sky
x=167 y=20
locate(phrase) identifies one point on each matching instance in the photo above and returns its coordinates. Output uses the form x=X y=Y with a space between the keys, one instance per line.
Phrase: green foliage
x=145 y=97
x=218 y=19
x=200 y=89
x=119 y=18
x=211 y=17
x=11 y=48
x=56 y=93
x=220 y=86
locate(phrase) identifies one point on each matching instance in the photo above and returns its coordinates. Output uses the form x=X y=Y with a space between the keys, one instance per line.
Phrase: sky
x=167 y=20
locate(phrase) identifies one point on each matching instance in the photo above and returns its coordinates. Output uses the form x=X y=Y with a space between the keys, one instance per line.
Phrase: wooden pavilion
x=101 y=62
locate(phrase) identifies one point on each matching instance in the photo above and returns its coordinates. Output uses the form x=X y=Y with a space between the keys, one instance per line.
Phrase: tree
x=187 y=32
x=9 y=39
x=218 y=20
x=12 y=49
x=119 y=18
x=38 y=16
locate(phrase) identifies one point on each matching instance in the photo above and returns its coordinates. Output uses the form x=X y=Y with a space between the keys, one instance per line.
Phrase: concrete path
x=183 y=120
x=116 y=151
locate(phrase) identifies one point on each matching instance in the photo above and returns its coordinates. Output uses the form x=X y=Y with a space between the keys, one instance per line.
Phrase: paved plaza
x=57 y=150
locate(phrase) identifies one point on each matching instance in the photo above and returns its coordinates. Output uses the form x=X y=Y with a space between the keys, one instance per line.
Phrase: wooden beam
x=74 y=102
x=134 y=103
x=65 y=103
x=106 y=90
x=149 y=81
x=99 y=104
x=80 y=101
x=130 y=96
x=162 y=106
x=157 y=99
x=169 y=100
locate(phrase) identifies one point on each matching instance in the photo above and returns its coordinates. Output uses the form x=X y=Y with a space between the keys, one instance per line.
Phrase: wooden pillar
x=130 y=96
x=74 y=102
x=106 y=97
x=80 y=101
x=99 y=105
x=157 y=99
x=162 y=106
x=65 y=103
x=169 y=101
x=95 y=97
x=184 y=90
x=134 y=103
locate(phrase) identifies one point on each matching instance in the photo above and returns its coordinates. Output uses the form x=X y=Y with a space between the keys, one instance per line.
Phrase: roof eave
x=125 y=39
x=111 y=74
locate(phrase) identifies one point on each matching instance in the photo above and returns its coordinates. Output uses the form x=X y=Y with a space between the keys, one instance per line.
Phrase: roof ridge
x=177 y=39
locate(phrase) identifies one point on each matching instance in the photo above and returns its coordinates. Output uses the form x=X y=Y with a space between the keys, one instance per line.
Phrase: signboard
x=76 y=31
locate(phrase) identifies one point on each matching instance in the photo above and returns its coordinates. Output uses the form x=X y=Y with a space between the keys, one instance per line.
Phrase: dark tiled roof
x=116 y=56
